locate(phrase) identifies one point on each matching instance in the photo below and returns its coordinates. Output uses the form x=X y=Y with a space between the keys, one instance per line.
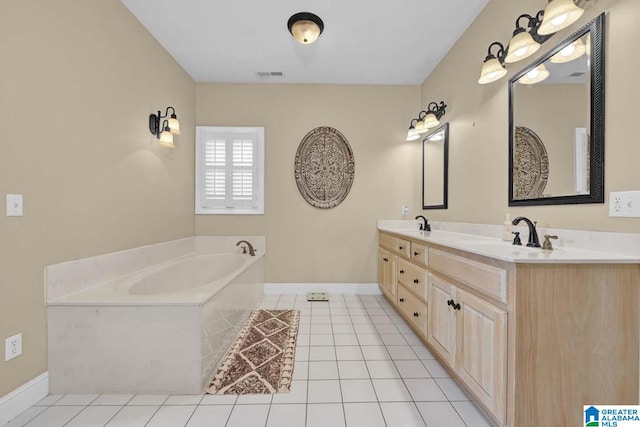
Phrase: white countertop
x=505 y=251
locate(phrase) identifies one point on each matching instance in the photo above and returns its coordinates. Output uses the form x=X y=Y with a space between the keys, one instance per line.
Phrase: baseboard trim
x=24 y=397
x=332 y=288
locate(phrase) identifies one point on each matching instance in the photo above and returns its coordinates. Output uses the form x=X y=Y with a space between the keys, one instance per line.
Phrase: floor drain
x=318 y=296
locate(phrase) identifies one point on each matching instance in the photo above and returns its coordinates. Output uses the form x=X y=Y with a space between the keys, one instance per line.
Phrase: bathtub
x=160 y=329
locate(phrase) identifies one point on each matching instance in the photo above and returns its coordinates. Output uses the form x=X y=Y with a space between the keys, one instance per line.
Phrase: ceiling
x=364 y=41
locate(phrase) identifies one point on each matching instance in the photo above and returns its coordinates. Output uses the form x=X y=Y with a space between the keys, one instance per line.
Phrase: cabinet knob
x=416 y=281
x=400 y=248
x=416 y=314
x=385 y=259
x=450 y=302
x=401 y=271
x=456 y=306
x=401 y=299
x=416 y=253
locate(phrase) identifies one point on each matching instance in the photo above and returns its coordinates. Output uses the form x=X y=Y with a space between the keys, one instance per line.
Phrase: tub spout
x=252 y=252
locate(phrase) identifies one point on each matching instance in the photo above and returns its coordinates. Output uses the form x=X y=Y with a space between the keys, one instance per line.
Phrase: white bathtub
x=162 y=329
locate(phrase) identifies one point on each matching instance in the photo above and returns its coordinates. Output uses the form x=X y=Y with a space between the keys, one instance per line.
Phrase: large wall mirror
x=435 y=168
x=556 y=124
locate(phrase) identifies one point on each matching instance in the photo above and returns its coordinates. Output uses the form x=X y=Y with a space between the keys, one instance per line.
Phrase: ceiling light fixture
x=169 y=127
x=559 y=14
x=427 y=119
x=305 y=27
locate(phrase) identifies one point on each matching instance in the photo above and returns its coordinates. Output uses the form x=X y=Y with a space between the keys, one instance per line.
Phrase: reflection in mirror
x=435 y=157
x=556 y=121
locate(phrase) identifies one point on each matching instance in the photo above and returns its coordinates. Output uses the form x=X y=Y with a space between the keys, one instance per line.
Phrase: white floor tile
x=320 y=311
x=363 y=414
x=210 y=416
x=369 y=339
x=395 y=319
x=248 y=415
x=320 y=320
x=364 y=328
x=439 y=414
x=435 y=369
x=326 y=415
x=422 y=352
x=49 y=400
x=339 y=311
x=411 y=338
x=322 y=353
x=321 y=329
x=323 y=370
x=411 y=369
x=374 y=352
x=184 y=399
x=470 y=414
x=382 y=369
x=343 y=329
x=148 y=400
x=345 y=339
x=424 y=390
x=133 y=416
x=351 y=352
x=324 y=391
x=254 y=399
x=402 y=414
x=26 y=416
x=303 y=340
x=339 y=319
x=76 y=399
x=321 y=340
x=404 y=328
x=452 y=390
x=361 y=320
x=171 y=416
x=376 y=312
x=357 y=391
x=112 y=400
x=353 y=369
x=219 y=399
x=357 y=311
x=387 y=328
x=391 y=390
x=381 y=320
x=401 y=352
x=297 y=394
x=301 y=370
x=55 y=416
x=94 y=416
x=393 y=339
x=287 y=416
x=302 y=354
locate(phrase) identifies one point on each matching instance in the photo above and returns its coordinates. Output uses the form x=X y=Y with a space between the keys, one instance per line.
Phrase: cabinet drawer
x=415 y=310
x=420 y=254
x=403 y=248
x=483 y=277
x=412 y=277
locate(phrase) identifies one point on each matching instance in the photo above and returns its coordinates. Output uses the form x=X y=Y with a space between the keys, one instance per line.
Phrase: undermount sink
x=491 y=244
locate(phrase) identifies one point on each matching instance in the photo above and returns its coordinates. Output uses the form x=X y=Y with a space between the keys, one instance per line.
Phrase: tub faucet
x=424 y=226
x=252 y=252
x=533 y=233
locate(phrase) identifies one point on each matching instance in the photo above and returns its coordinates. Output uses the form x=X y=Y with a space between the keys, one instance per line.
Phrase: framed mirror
x=556 y=124
x=435 y=168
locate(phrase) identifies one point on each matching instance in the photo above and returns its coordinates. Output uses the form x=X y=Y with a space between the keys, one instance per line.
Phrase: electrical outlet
x=624 y=204
x=405 y=209
x=12 y=347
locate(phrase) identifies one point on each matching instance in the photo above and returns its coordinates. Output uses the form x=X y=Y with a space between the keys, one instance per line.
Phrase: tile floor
x=357 y=364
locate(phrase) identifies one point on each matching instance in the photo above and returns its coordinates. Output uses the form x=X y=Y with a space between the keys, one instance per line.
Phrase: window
x=229 y=170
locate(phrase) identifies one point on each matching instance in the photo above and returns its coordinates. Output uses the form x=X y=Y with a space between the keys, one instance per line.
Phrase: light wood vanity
x=530 y=341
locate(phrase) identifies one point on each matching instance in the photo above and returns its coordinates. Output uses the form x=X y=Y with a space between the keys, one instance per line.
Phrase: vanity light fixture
x=570 y=52
x=559 y=14
x=412 y=135
x=170 y=126
x=305 y=27
x=534 y=76
x=492 y=68
x=523 y=44
x=427 y=119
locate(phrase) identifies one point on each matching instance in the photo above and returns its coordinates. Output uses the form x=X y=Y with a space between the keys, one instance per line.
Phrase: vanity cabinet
x=531 y=343
x=387 y=272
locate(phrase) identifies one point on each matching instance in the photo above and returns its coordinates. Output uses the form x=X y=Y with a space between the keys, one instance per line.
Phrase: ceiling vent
x=268 y=75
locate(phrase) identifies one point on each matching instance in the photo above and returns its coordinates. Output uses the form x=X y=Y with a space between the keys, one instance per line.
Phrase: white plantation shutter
x=228 y=169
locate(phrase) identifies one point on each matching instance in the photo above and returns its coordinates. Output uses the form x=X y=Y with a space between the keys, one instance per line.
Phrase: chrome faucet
x=252 y=252
x=533 y=233
x=424 y=226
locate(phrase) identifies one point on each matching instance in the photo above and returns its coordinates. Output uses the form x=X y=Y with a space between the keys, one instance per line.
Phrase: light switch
x=14 y=204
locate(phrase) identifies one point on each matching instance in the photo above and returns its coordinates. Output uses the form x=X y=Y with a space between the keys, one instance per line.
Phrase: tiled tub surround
x=121 y=334
x=518 y=327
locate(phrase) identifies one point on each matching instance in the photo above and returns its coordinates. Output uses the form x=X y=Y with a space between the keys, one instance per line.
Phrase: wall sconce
x=426 y=120
x=305 y=27
x=169 y=127
x=558 y=14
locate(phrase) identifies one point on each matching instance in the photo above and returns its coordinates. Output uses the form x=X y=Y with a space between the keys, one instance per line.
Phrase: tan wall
x=479 y=119
x=78 y=81
x=306 y=244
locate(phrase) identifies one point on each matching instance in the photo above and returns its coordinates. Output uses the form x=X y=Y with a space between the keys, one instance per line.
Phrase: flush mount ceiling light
x=492 y=68
x=169 y=127
x=426 y=120
x=305 y=27
x=559 y=14
x=534 y=76
x=570 y=52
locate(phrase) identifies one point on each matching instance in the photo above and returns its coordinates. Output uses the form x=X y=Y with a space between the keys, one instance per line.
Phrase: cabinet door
x=481 y=359
x=387 y=272
x=441 y=327
x=390 y=279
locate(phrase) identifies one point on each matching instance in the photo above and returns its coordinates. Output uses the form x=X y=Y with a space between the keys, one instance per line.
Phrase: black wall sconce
x=169 y=126
x=525 y=42
x=426 y=120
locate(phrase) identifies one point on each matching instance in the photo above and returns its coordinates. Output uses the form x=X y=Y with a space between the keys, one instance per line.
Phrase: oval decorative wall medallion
x=530 y=165
x=324 y=167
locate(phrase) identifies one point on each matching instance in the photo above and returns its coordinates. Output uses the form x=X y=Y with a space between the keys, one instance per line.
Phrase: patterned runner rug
x=261 y=358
